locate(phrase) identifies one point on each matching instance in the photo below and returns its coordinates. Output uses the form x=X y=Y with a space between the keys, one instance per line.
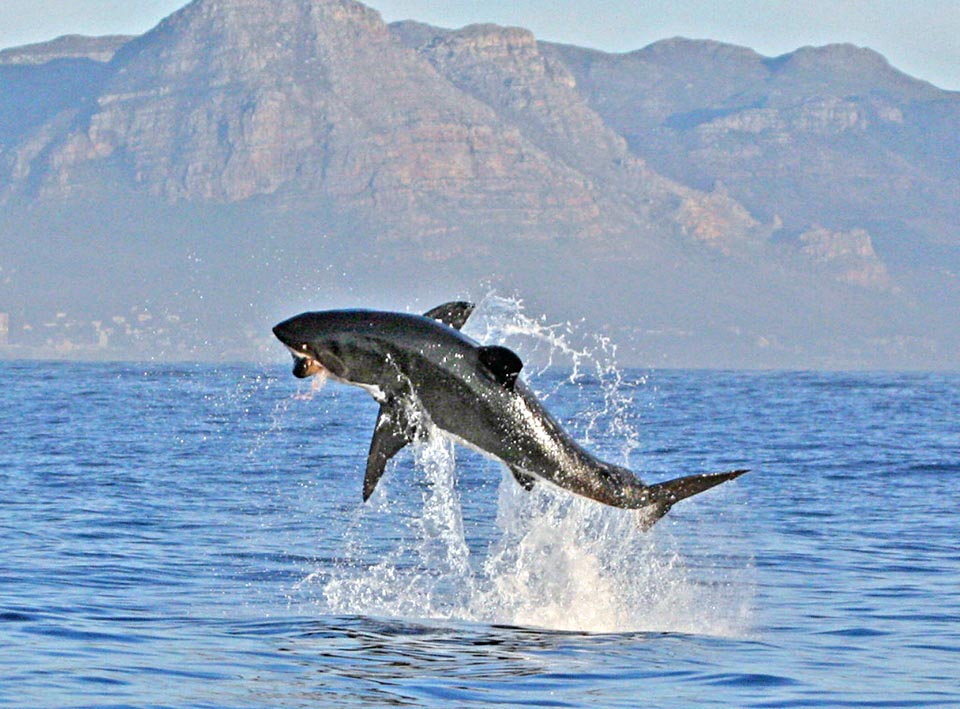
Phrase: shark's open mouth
x=303 y=365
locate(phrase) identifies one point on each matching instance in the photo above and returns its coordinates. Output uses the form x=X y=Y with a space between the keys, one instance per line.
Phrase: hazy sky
x=920 y=37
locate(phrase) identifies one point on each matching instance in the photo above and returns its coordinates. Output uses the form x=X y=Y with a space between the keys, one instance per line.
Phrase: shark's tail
x=664 y=495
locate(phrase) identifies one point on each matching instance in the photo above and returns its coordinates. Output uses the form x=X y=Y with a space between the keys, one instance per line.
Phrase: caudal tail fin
x=666 y=494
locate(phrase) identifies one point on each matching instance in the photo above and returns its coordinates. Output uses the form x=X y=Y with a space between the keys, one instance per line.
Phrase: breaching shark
x=424 y=372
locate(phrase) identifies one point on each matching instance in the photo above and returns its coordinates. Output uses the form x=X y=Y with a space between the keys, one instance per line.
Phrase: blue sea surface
x=193 y=536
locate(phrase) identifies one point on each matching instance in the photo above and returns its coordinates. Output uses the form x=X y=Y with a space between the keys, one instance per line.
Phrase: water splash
x=566 y=563
x=427 y=572
x=552 y=560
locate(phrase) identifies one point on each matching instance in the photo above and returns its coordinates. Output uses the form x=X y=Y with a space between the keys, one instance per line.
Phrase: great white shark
x=424 y=372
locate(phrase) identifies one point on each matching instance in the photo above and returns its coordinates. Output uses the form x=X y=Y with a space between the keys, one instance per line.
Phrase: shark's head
x=316 y=342
x=365 y=347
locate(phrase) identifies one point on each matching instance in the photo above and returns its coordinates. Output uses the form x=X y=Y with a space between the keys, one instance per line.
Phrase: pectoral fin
x=392 y=432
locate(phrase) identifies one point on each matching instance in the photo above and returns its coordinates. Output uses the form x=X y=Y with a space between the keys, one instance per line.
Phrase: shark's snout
x=285 y=334
x=292 y=335
x=304 y=363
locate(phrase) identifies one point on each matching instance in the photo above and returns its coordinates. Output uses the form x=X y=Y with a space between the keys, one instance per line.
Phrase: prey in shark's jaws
x=423 y=371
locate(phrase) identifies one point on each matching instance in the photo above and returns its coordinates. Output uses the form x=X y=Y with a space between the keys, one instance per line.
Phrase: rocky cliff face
x=850 y=256
x=217 y=105
x=506 y=69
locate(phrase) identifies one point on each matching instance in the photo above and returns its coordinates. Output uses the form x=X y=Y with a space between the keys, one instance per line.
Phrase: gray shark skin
x=423 y=371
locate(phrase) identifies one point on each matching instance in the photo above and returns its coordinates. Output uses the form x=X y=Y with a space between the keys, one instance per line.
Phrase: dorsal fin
x=453 y=314
x=502 y=363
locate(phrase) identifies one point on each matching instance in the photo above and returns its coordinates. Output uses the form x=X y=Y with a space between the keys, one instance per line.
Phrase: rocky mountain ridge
x=832 y=135
x=97 y=49
x=689 y=187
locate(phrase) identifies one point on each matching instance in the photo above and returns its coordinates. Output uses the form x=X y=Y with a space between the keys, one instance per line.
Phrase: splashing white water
x=554 y=561
x=566 y=563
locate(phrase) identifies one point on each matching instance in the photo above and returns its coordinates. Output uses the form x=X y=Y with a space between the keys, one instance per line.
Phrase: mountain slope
x=829 y=136
x=217 y=105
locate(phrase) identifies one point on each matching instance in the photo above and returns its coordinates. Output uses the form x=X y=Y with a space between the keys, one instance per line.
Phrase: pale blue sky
x=920 y=37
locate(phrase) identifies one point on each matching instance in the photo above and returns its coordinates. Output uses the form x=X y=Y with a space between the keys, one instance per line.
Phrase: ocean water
x=193 y=536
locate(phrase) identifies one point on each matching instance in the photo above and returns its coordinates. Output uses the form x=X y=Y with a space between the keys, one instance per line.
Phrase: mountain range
x=170 y=195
